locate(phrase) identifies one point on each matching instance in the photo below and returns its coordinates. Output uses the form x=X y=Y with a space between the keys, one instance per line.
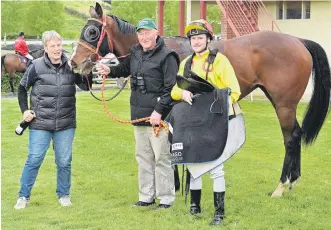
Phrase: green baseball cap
x=146 y=23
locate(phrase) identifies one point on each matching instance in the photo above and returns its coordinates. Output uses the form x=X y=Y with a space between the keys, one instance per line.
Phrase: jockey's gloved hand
x=187 y=96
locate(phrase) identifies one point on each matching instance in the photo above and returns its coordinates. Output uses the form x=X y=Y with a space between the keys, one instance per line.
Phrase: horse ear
x=98 y=9
x=92 y=12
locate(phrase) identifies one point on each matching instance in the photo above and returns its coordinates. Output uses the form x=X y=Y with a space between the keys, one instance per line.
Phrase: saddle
x=194 y=83
x=24 y=60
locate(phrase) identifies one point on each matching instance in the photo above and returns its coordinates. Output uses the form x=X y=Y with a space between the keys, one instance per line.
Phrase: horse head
x=102 y=35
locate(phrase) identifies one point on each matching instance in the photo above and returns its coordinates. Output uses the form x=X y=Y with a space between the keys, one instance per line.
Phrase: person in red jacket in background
x=21 y=47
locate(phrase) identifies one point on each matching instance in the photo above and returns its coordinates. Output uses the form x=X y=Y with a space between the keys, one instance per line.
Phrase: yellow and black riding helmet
x=197 y=27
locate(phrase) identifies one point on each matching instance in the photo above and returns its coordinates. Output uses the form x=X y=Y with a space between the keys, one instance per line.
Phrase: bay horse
x=277 y=63
x=12 y=63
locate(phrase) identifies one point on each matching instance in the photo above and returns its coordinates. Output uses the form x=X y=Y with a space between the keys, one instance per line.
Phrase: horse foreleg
x=11 y=83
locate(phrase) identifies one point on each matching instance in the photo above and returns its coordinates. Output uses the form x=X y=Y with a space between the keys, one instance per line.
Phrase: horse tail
x=319 y=103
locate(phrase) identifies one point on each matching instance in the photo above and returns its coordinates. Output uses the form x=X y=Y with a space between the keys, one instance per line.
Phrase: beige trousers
x=155 y=174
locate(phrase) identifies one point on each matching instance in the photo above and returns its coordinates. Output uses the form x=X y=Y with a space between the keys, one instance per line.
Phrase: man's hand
x=155 y=118
x=102 y=69
x=28 y=115
x=187 y=96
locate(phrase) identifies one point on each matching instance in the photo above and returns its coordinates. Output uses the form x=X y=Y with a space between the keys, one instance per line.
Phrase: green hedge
x=5 y=87
x=76 y=13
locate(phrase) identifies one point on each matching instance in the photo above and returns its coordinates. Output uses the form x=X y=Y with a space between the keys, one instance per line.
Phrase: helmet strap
x=206 y=47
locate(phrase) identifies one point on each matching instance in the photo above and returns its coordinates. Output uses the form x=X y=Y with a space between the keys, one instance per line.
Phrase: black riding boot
x=219 y=208
x=195 y=201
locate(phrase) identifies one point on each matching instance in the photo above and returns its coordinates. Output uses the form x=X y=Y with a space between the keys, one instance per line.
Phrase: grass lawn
x=104 y=177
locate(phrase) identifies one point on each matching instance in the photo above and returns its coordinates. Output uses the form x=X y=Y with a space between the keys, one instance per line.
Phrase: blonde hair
x=49 y=35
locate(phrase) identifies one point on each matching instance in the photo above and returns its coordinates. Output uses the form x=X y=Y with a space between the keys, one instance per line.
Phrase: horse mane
x=123 y=26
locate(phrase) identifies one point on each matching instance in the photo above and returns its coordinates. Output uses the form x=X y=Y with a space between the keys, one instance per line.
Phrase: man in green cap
x=147 y=33
x=153 y=68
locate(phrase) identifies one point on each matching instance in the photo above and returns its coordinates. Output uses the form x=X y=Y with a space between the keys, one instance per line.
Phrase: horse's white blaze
x=72 y=55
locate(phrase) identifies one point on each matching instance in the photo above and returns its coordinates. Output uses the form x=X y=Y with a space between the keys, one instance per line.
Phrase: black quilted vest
x=148 y=66
x=53 y=96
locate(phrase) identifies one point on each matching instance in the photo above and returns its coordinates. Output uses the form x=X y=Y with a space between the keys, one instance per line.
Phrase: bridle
x=104 y=32
x=95 y=51
x=111 y=47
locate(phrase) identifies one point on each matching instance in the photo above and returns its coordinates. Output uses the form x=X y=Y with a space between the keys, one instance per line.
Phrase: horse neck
x=122 y=43
x=219 y=44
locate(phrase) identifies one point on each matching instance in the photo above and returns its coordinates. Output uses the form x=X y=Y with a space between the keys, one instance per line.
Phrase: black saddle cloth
x=25 y=60
x=199 y=131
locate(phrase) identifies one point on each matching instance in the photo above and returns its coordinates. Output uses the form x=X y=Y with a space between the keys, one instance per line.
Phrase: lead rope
x=145 y=119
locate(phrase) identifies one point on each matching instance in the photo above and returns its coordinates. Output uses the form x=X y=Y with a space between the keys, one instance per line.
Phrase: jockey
x=219 y=73
x=21 y=47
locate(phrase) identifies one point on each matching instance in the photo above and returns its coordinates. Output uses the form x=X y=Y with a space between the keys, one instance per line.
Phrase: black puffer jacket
x=52 y=95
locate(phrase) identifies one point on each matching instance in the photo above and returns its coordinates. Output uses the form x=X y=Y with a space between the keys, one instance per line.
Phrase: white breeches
x=29 y=56
x=217 y=174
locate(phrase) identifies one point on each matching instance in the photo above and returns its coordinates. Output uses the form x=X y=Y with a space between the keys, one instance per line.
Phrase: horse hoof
x=277 y=194
x=279 y=191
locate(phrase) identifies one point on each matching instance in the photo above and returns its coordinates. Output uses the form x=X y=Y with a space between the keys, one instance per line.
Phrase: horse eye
x=92 y=33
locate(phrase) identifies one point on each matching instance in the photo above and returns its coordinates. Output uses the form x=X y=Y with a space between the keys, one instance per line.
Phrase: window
x=280 y=10
x=306 y=10
x=293 y=10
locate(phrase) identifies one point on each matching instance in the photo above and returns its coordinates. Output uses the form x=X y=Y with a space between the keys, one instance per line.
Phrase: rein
x=96 y=51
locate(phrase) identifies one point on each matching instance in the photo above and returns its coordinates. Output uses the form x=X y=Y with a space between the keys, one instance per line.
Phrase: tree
x=12 y=17
x=44 y=15
x=214 y=17
x=171 y=18
x=133 y=11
